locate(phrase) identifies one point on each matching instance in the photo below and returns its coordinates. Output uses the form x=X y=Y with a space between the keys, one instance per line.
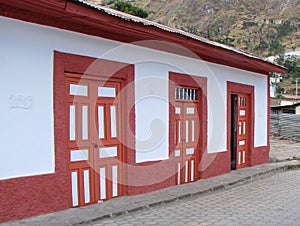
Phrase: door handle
x=95 y=144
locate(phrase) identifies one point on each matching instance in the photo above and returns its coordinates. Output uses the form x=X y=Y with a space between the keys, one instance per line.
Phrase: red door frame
x=185 y=80
x=238 y=88
x=88 y=66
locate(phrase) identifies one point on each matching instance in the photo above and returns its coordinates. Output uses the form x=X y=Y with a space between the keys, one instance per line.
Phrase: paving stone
x=228 y=207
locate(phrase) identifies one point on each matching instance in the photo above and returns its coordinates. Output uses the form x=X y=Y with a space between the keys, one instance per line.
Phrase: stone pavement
x=273 y=200
x=175 y=195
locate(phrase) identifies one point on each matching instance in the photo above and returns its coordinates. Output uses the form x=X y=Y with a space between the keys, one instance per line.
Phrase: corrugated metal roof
x=145 y=22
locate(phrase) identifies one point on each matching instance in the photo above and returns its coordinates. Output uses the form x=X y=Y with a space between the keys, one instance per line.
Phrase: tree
x=130 y=9
x=276 y=47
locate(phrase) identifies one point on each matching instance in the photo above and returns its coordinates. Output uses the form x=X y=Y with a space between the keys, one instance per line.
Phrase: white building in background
x=272 y=90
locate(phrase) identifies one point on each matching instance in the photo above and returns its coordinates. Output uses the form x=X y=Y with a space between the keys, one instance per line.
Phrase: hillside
x=260 y=26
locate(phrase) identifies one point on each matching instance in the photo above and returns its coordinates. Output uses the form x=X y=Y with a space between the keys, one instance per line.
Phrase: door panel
x=242 y=130
x=186 y=136
x=94 y=148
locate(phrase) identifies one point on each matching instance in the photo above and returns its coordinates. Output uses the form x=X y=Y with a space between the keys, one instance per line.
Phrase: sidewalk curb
x=131 y=204
x=221 y=187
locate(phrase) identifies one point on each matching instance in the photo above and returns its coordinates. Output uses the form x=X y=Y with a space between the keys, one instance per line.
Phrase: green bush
x=130 y=9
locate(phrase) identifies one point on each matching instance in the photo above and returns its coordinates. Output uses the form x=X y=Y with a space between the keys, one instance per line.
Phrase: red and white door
x=94 y=149
x=186 y=134
x=242 y=130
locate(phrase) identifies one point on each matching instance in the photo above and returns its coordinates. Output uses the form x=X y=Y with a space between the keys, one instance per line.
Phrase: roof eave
x=75 y=15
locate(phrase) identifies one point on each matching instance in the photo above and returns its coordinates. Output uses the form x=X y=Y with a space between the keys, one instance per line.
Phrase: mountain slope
x=260 y=26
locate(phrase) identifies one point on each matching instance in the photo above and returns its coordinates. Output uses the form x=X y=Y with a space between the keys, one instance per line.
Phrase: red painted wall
x=150 y=176
x=28 y=196
x=215 y=164
x=260 y=155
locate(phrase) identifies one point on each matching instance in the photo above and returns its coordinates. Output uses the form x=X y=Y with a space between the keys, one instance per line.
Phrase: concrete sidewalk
x=129 y=204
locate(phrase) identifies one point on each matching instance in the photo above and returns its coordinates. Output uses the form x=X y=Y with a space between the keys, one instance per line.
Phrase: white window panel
x=190 y=111
x=85 y=126
x=193 y=130
x=179 y=132
x=186 y=131
x=113 y=121
x=115 y=181
x=101 y=127
x=178 y=173
x=72 y=123
x=242 y=142
x=190 y=151
x=177 y=153
x=192 y=170
x=186 y=171
x=86 y=182
x=240 y=128
x=102 y=183
x=106 y=92
x=242 y=112
x=79 y=155
x=175 y=133
x=108 y=152
x=177 y=110
x=74 y=181
x=78 y=90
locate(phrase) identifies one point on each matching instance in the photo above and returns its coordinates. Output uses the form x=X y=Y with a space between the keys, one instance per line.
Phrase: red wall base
x=150 y=176
x=28 y=196
x=216 y=164
x=260 y=155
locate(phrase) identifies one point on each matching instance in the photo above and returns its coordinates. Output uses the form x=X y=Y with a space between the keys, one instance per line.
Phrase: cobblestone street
x=274 y=200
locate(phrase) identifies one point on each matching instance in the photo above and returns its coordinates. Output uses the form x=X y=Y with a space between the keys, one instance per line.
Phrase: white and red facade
x=95 y=107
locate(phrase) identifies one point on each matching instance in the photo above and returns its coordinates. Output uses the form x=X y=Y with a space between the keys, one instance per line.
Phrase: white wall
x=26 y=56
x=297 y=110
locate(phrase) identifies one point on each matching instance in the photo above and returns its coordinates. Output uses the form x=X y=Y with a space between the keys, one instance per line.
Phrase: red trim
x=74 y=17
x=260 y=155
x=188 y=81
x=237 y=88
x=214 y=164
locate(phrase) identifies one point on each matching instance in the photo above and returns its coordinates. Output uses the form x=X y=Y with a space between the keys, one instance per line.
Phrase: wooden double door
x=94 y=149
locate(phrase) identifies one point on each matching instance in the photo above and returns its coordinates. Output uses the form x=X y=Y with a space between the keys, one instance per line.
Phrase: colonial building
x=98 y=104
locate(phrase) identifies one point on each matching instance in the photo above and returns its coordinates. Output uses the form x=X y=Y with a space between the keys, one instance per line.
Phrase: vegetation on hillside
x=288 y=84
x=130 y=9
x=126 y=7
x=259 y=26
x=263 y=27
x=292 y=63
